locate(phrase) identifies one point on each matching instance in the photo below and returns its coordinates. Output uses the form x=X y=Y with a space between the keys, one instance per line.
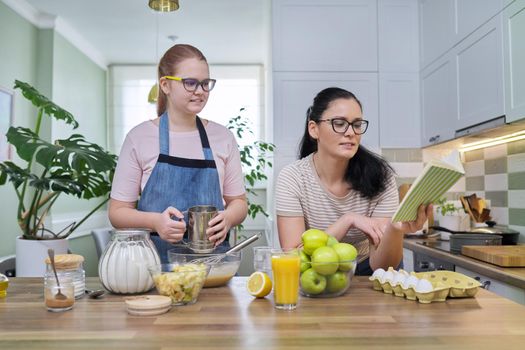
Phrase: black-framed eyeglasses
x=191 y=84
x=341 y=125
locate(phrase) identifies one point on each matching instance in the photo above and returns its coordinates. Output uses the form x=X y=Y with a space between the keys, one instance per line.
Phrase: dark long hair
x=367 y=172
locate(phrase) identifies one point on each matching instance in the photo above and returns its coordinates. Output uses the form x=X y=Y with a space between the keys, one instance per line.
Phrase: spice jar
x=59 y=298
x=70 y=266
x=123 y=267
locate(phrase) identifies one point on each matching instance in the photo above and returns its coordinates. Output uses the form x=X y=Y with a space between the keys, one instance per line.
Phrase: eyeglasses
x=191 y=84
x=341 y=125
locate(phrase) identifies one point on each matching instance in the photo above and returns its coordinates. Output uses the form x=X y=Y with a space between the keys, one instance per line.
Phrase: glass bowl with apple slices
x=327 y=280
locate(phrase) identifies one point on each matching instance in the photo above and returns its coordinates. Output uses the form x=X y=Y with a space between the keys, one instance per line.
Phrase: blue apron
x=180 y=182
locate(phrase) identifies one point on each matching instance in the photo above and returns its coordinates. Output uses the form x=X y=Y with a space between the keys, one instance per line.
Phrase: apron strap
x=164 y=134
x=164 y=137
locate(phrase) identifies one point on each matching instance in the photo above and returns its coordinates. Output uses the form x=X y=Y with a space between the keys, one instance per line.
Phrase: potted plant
x=450 y=217
x=254 y=159
x=72 y=166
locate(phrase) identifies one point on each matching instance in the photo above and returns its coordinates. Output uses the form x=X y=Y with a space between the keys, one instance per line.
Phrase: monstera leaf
x=42 y=102
x=72 y=166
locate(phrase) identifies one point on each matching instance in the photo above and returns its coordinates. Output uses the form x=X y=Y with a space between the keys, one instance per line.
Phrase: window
x=238 y=86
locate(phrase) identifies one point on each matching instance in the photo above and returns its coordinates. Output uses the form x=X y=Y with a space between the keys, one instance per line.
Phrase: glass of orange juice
x=286 y=268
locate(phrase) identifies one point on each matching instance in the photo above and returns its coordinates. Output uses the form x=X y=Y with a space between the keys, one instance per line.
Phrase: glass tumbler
x=262 y=259
x=286 y=269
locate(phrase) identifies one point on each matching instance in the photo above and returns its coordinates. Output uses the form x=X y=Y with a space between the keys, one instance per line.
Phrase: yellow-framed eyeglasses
x=191 y=84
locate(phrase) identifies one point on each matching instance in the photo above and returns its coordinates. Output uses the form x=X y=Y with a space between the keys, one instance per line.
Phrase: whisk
x=215 y=259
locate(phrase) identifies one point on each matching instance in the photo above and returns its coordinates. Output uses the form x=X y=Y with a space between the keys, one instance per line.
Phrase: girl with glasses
x=340 y=187
x=179 y=160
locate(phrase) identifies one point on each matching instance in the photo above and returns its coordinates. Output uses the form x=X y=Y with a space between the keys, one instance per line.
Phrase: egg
x=377 y=275
x=399 y=278
x=388 y=276
x=424 y=286
x=410 y=281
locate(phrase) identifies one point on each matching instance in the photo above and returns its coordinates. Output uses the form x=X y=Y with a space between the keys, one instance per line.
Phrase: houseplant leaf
x=42 y=102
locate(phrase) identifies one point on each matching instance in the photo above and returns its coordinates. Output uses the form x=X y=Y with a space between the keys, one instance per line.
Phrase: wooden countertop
x=512 y=275
x=229 y=318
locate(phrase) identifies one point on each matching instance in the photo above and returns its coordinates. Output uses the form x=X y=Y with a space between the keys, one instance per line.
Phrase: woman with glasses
x=179 y=160
x=340 y=187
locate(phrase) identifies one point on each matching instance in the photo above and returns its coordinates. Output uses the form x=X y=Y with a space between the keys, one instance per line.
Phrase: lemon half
x=259 y=284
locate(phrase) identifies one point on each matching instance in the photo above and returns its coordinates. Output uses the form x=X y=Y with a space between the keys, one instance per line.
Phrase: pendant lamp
x=164 y=5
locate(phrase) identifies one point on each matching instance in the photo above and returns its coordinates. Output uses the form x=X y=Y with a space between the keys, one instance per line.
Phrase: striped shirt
x=300 y=192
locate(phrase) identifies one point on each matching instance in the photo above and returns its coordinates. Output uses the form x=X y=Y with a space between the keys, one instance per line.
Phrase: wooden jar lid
x=67 y=261
x=148 y=305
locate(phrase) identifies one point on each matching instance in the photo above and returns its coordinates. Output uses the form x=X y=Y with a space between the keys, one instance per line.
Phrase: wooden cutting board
x=503 y=255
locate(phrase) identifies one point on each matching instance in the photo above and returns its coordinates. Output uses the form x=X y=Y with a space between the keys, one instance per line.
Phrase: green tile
x=389 y=154
x=516 y=216
x=497 y=198
x=517 y=181
x=474 y=155
x=416 y=155
x=516 y=147
x=475 y=183
x=404 y=180
x=496 y=166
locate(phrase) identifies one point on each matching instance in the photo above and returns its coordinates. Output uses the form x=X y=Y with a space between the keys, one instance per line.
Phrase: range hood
x=493 y=130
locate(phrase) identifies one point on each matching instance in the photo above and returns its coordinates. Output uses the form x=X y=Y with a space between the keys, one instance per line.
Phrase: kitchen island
x=229 y=318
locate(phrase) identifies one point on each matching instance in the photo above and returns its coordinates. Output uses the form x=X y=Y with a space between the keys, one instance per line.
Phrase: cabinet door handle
x=484 y=284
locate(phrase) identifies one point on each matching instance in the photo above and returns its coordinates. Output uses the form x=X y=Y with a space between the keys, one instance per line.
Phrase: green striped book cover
x=437 y=177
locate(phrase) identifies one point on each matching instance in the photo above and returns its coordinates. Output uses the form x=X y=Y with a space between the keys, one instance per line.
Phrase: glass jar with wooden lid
x=69 y=266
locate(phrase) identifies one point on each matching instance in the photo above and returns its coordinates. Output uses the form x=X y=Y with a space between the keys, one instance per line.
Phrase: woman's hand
x=169 y=229
x=218 y=227
x=373 y=228
x=422 y=216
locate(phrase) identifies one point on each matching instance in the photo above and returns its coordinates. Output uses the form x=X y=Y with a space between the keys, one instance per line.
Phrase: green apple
x=305 y=261
x=312 y=282
x=331 y=241
x=346 y=252
x=336 y=282
x=313 y=239
x=325 y=261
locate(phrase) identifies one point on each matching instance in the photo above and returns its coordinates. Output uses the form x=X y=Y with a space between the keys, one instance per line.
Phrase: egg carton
x=426 y=287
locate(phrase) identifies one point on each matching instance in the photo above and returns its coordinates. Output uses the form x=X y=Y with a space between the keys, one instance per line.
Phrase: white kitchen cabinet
x=294 y=93
x=503 y=289
x=445 y=23
x=398 y=36
x=439 y=100
x=437 y=29
x=514 y=56
x=324 y=35
x=470 y=14
x=479 y=62
x=408 y=260
x=399 y=110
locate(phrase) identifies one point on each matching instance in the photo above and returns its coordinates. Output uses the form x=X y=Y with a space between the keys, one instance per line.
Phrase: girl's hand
x=218 y=228
x=168 y=228
x=373 y=228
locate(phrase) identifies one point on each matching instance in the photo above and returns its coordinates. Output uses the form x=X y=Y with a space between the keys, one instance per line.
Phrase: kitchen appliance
x=425 y=262
x=506 y=256
x=509 y=236
x=460 y=239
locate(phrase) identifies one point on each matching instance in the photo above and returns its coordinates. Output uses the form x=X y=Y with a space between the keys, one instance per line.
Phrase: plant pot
x=453 y=223
x=30 y=255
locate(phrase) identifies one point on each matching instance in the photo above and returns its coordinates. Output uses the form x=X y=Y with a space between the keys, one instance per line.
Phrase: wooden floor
x=229 y=318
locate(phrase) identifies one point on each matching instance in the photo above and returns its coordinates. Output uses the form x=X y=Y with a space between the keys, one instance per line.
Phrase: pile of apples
x=326 y=264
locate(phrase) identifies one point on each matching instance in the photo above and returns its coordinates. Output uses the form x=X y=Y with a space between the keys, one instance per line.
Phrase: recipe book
x=437 y=177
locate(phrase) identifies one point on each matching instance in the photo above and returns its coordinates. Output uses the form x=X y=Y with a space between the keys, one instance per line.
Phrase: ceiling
x=125 y=31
